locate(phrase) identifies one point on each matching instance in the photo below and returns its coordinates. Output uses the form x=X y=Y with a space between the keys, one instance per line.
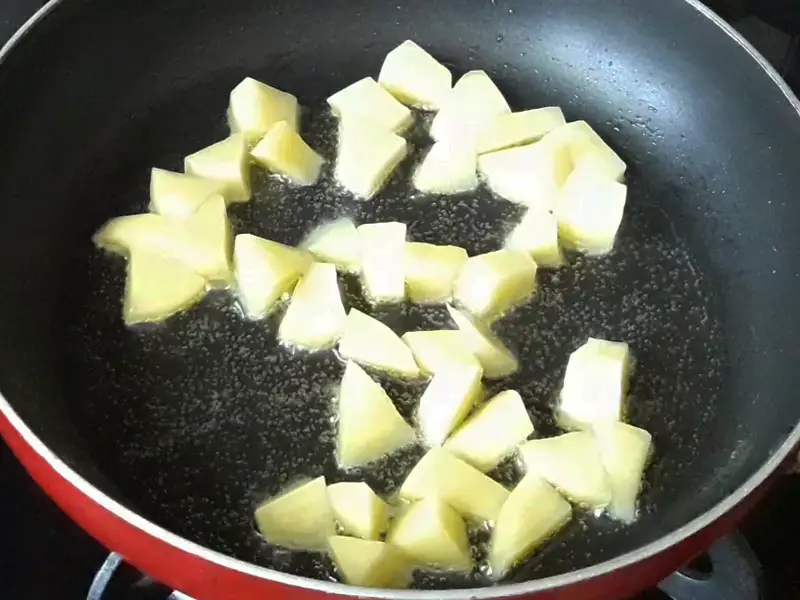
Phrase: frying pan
x=160 y=442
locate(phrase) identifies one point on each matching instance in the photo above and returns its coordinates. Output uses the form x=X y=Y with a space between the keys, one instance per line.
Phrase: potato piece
x=448 y=399
x=533 y=513
x=256 y=107
x=492 y=432
x=369 y=342
x=315 y=317
x=431 y=271
x=587 y=149
x=366 y=157
x=300 y=518
x=625 y=451
x=369 y=563
x=472 y=104
x=514 y=129
x=265 y=271
x=589 y=211
x=493 y=283
x=433 y=535
x=449 y=167
x=227 y=161
x=358 y=510
x=441 y=475
x=382 y=248
x=146 y=231
x=571 y=463
x=336 y=242
x=369 y=424
x=366 y=100
x=414 y=77
x=537 y=235
x=439 y=350
x=531 y=175
x=595 y=384
x=497 y=360
x=180 y=195
x=158 y=287
x=284 y=152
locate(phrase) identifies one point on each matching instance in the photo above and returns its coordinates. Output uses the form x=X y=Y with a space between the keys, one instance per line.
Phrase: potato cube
x=180 y=195
x=369 y=563
x=514 y=129
x=366 y=157
x=358 y=510
x=448 y=399
x=365 y=100
x=369 y=342
x=537 y=235
x=337 y=243
x=449 y=167
x=495 y=358
x=470 y=106
x=382 y=249
x=414 y=77
x=284 y=152
x=587 y=149
x=439 y=350
x=227 y=161
x=431 y=271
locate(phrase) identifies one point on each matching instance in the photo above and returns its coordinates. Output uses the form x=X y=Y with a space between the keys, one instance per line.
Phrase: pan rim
x=656 y=547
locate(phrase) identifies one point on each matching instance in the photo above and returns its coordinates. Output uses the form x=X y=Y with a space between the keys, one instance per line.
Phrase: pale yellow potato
x=492 y=432
x=449 y=167
x=336 y=242
x=441 y=475
x=382 y=248
x=571 y=463
x=255 y=107
x=533 y=513
x=265 y=271
x=180 y=195
x=440 y=349
x=300 y=518
x=227 y=161
x=587 y=149
x=537 y=235
x=369 y=342
x=473 y=103
x=158 y=287
x=315 y=317
x=284 y=152
x=491 y=284
x=625 y=451
x=366 y=157
x=495 y=358
x=431 y=271
x=432 y=535
x=369 y=424
x=369 y=563
x=448 y=399
x=358 y=510
x=514 y=129
x=414 y=77
x=595 y=385
x=365 y=100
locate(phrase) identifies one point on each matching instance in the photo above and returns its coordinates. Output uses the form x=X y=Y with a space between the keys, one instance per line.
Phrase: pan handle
x=736 y=574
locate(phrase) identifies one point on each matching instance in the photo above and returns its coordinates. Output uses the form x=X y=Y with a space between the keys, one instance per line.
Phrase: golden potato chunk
x=358 y=510
x=284 y=152
x=227 y=161
x=431 y=271
x=414 y=77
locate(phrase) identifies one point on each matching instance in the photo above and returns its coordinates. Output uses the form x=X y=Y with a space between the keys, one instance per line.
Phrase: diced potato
x=440 y=349
x=382 y=248
x=369 y=563
x=589 y=211
x=255 y=107
x=441 y=475
x=625 y=451
x=180 y=195
x=300 y=519
x=449 y=167
x=448 y=399
x=366 y=157
x=595 y=384
x=491 y=284
x=366 y=100
x=414 y=77
x=537 y=235
x=158 y=287
x=358 y=510
x=227 y=161
x=587 y=149
x=146 y=231
x=533 y=513
x=431 y=271
x=571 y=463
x=265 y=271
x=514 y=129
x=531 y=175
x=369 y=424
x=283 y=151
x=433 y=535
x=497 y=360
x=315 y=317
x=472 y=104
x=492 y=432
x=369 y=342
x=337 y=243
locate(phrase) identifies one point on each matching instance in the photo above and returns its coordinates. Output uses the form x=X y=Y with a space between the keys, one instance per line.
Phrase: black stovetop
x=44 y=556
